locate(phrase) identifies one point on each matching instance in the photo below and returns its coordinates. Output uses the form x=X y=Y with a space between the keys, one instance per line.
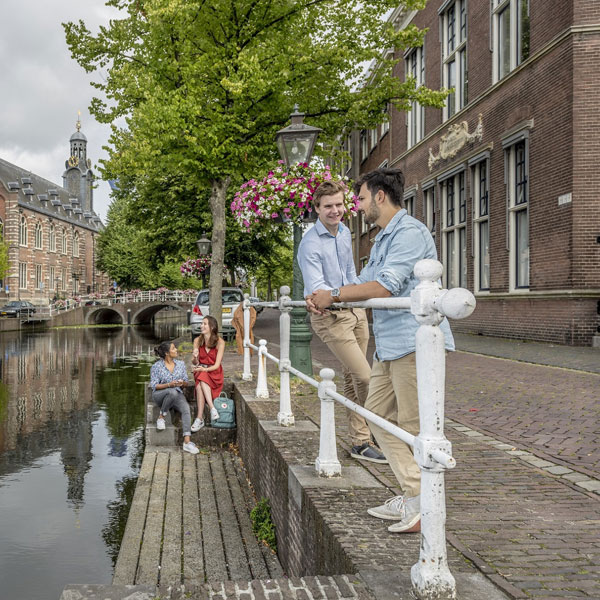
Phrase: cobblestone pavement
x=524 y=499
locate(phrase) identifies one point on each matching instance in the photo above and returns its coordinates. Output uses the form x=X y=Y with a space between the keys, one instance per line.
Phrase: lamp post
x=296 y=143
x=204 y=246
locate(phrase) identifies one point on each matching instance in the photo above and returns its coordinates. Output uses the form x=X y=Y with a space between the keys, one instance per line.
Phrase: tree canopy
x=203 y=85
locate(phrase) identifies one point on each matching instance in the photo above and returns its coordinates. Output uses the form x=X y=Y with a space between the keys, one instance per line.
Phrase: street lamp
x=204 y=247
x=296 y=143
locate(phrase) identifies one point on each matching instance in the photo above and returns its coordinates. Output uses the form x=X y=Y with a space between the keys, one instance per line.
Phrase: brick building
x=506 y=176
x=51 y=230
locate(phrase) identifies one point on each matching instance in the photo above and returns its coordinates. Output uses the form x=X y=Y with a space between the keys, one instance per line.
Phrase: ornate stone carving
x=455 y=140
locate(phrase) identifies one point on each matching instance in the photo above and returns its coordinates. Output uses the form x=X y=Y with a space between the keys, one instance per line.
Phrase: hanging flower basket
x=196 y=267
x=283 y=196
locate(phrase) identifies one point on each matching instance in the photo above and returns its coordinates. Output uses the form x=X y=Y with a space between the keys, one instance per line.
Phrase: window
x=51 y=238
x=429 y=209
x=454 y=230
x=38 y=236
x=364 y=146
x=518 y=218
x=22 y=276
x=1 y=228
x=23 y=231
x=76 y=244
x=409 y=204
x=62 y=242
x=63 y=281
x=510 y=35
x=38 y=277
x=454 y=55
x=385 y=126
x=364 y=226
x=481 y=224
x=52 y=283
x=415 y=68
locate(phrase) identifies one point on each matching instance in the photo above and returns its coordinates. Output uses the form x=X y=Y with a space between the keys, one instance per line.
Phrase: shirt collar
x=391 y=225
x=322 y=230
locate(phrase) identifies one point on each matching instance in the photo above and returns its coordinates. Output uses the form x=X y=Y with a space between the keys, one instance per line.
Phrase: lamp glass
x=203 y=245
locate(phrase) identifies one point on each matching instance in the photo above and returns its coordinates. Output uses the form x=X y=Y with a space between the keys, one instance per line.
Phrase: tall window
x=429 y=209
x=409 y=204
x=51 y=238
x=23 y=276
x=385 y=126
x=38 y=277
x=374 y=138
x=52 y=283
x=518 y=217
x=364 y=145
x=481 y=224
x=23 y=231
x=63 y=281
x=454 y=55
x=38 y=236
x=454 y=230
x=62 y=241
x=415 y=68
x=510 y=35
x=76 y=244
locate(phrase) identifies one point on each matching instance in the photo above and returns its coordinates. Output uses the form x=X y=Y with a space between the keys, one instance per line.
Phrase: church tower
x=78 y=178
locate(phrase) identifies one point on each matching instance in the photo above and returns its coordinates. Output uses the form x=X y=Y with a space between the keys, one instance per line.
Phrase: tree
x=275 y=270
x=4 y=265
x=205 y=84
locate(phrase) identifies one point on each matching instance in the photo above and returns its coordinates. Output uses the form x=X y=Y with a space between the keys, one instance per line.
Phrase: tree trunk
x=217 y=210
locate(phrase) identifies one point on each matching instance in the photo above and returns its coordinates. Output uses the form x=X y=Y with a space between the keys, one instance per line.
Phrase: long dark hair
x=163 y=349
x=214 y=331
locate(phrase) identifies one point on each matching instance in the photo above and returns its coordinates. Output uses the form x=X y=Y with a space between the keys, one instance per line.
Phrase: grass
x=262 y=525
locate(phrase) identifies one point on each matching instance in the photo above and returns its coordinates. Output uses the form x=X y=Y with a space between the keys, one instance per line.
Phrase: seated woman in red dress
x=208 y=371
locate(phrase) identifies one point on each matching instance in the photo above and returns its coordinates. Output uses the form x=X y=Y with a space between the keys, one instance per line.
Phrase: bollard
x=431 y=577
x=247 y=373
x=262 y=390
x=285 y=417
x=327 y=463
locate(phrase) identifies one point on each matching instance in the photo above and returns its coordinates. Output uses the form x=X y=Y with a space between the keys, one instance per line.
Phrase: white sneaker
x=214 y=414
x=160 y=424
x=393 y=509
x=197 y=425
x=411 y=521
x=190 y=447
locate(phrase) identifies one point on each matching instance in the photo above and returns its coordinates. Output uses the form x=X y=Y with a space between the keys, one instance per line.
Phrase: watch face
x=335 y=292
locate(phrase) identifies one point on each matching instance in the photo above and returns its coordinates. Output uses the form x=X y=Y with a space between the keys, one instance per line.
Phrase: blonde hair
x=328 y=188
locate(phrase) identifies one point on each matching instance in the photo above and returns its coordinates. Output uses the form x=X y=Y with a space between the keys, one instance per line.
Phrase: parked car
x=258 y=309
x=231 y=298
x=17 y=308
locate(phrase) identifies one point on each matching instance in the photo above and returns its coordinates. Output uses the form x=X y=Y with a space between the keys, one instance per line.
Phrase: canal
x=71 y=443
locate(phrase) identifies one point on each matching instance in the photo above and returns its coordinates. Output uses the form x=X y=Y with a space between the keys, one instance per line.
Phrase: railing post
x=431 y=577
x=247 y=374
x=285 y=417
x=262 y=390
x=327 y=463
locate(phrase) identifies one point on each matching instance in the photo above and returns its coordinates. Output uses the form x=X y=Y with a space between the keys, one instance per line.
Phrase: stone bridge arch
x=128 y=313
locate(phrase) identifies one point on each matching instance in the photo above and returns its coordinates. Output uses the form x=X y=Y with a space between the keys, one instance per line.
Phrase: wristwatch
x=335 y=294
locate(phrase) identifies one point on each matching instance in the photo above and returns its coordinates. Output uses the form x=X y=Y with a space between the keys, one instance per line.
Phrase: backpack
x=226 y=409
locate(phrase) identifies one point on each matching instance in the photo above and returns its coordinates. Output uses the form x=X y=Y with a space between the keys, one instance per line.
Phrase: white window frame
x=374 y=138
x=38 y=277
x=480 y=186
x=76 y=244
x=38 y=237
x=454 y=229
x=429 y=209
x=364 y=145
x=23 y=231
x=453 y=22
x=63 y=283
x=51 y=238
x=385 y=125
x=409 y=205
x=22 y=276
x=415 y=117
x=517 y=190
x=52 y=283
x=510 y=31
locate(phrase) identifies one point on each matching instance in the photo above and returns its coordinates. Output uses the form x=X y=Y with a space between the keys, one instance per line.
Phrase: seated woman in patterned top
x=168 y=377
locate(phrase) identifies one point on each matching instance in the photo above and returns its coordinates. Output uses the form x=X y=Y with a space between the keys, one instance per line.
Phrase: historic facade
x=506 y=174
x=51 y=230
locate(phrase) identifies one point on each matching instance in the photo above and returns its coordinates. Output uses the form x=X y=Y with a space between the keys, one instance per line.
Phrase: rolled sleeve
x=402 y=255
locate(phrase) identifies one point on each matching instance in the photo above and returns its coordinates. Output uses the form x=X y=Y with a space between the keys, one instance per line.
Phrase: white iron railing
x=431 y=577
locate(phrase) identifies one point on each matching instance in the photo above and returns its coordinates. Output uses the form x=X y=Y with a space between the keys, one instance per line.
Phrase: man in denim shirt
x=399 y=245
x=325 y=259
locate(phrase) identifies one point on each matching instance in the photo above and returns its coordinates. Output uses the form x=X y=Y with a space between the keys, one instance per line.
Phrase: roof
x=78 y=136
x=45 y=197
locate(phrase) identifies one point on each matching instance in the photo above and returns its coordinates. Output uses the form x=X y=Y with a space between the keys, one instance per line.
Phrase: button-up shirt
x=396 y=250
x=160 y=374
x=326 y=260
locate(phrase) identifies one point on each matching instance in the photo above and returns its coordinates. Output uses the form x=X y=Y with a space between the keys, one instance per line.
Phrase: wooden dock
x=189 y=523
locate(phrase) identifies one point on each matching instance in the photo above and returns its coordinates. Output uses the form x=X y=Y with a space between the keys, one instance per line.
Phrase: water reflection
x=71 y=442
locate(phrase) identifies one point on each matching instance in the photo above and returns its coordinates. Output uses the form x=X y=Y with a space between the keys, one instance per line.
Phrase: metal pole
x=262 y=390
x=431 y=577
x=285 y=417
x=247 y=374
x=327 y=463
x=300 y=333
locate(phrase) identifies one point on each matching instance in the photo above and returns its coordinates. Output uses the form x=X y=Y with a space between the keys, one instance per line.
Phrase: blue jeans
x=174 y=398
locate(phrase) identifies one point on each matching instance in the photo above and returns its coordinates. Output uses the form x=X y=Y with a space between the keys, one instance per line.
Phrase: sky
x=43 y=88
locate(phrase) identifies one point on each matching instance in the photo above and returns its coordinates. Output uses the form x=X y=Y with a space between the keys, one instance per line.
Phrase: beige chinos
x=393 y=396
x=346 y=333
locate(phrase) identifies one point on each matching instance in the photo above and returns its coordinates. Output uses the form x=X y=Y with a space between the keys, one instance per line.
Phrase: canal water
x=71 y=444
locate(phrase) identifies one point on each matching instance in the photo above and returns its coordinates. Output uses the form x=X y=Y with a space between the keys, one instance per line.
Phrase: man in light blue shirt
x=401 y=242
x=325 y=259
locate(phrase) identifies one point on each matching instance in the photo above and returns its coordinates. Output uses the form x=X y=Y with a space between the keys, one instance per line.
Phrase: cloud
x=43 y=88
